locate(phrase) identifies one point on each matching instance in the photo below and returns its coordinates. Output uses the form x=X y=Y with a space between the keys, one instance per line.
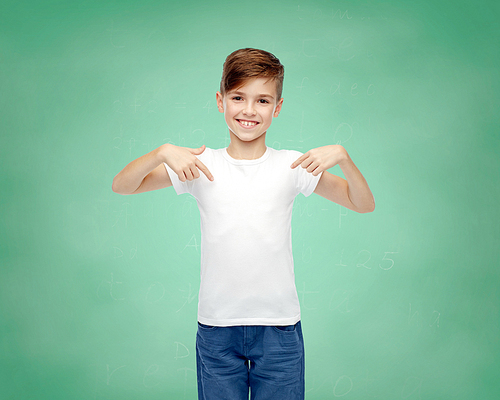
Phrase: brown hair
x=245 y=64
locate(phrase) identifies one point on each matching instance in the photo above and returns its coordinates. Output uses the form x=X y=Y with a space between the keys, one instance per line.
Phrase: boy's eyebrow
x=260 y=95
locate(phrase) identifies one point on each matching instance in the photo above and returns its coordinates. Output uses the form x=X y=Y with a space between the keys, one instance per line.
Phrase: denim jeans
x=267 y=361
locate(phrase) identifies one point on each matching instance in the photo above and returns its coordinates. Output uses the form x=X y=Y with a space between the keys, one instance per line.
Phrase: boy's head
x=246 y=64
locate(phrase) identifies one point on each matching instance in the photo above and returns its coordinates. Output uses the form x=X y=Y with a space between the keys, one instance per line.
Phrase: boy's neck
x=253 y=150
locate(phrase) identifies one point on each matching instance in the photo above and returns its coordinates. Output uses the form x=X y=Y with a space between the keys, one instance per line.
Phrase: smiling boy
x=249 y=329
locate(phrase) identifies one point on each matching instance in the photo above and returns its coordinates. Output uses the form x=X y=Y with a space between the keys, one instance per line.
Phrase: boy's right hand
x=184 y=162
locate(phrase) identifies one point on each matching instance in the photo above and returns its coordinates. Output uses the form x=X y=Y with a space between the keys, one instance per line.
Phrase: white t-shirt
x=247 y=275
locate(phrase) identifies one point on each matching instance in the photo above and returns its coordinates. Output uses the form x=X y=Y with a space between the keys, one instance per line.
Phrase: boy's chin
x=246 y=138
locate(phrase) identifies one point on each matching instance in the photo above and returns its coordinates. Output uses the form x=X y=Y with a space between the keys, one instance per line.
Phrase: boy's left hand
x=320 y=159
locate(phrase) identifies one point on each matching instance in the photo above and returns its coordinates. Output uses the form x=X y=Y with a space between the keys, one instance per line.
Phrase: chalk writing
x=111 y=31
x=193 y=242
x=340 y=301
x=303 y=292
x=386 y=267
x=183 y=348
x=123 y=214
x=186 y=370
x=109 y=375
x=189 y=298
x=364 y=257
x=339 y=12
x=416 y=319
x=343 y=386
x=200 y=133
x=343 y=54
x=306 y=254
x=149 y=374
x=435 y=316
x=354 y=90
x=308 y=52
x=155 y=293
x=340 y=263
x=301 y=86
x=112 y=283
x=118 y=252
x=209 y=106
x=368 y=259
x=343 y=133
x=341 y=215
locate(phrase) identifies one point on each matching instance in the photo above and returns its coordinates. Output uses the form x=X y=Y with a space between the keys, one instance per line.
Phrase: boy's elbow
x=115 y=187
x=366 y=209
x=370 y=208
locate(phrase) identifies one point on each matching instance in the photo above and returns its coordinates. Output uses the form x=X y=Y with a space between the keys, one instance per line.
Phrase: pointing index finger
x=204 y=169
x=298 y=161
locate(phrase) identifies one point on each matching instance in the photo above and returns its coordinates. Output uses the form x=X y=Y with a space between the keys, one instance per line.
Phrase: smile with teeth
x=247 y=123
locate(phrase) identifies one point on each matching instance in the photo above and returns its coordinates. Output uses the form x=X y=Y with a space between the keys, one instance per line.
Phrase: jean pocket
x=206 y=327
x=284 y=328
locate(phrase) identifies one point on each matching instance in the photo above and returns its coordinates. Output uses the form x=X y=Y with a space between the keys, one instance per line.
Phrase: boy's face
x=249 y=110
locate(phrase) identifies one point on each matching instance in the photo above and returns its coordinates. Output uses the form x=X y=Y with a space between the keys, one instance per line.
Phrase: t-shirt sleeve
x=188 y=186
x=305 y=181
x=179 y=186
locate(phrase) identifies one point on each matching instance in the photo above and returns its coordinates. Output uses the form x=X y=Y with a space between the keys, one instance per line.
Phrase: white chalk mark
x=109 y=375
x=341 y=382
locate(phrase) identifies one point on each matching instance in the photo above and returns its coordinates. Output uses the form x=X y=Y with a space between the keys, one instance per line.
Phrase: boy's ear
x=278 y=108
x=220 y=102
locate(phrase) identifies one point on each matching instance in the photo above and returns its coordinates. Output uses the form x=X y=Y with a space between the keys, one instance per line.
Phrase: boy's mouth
x=247 y=123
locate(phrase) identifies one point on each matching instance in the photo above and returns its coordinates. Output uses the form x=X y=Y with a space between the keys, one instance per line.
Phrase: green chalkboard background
x=98 y=292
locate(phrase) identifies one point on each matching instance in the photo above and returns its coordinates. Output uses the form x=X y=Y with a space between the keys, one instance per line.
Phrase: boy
x=249 y=330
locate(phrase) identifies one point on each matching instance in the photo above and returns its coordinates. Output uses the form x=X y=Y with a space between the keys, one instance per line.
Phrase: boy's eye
x=237 y=98
x=263 y=101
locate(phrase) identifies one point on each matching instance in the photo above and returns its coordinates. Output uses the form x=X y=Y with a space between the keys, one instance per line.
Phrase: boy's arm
x=352 y=192
x=148 y=173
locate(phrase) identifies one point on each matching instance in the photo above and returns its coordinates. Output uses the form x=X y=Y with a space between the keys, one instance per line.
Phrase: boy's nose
x=249 y=110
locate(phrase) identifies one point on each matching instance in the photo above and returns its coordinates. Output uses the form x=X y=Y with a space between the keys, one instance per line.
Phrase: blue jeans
x=268 y=360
